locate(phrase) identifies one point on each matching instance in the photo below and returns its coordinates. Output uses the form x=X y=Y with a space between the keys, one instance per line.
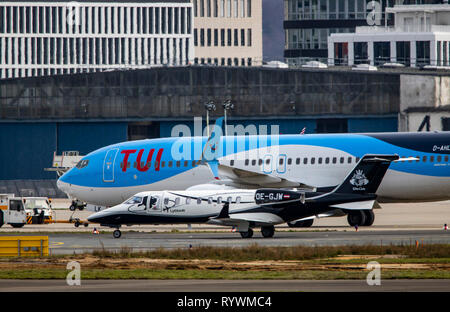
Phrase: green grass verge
x=221 y=274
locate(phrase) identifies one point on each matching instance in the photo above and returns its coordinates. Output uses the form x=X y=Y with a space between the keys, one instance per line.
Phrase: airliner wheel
x=370 y=217
x=357 y=217
x=268 y=231
x=248 y=234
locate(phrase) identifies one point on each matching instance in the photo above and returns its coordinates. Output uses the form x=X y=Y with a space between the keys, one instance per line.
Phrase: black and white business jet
x=246 y=209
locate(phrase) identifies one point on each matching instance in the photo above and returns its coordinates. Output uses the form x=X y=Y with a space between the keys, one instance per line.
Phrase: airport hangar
x=85 y=111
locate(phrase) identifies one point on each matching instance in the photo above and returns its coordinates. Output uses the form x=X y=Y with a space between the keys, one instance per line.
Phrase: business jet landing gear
x=248 y=234
x=268 y=231
x=356 y=217
x=117 y=233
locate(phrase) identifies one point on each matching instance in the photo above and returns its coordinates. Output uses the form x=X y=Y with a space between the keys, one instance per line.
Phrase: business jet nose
x=97 y=217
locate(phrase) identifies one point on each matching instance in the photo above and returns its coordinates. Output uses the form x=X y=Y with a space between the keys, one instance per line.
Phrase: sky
x=273 y=33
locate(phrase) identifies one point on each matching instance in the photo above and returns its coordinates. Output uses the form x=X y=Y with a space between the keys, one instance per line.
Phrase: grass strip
x=221 y=274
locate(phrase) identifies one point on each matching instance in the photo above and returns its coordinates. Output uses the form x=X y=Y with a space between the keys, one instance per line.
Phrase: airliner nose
x=63 y=186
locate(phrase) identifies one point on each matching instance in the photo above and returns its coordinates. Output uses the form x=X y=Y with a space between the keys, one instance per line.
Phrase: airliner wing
x=231 y=175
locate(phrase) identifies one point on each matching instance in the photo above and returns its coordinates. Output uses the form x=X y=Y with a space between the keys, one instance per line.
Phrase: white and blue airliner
x=112 y=174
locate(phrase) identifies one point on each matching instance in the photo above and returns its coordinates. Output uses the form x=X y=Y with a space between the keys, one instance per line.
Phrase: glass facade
x=52 y=37
x=308 y=23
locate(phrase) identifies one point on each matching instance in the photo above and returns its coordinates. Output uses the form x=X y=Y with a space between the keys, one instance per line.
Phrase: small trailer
x=12 y=211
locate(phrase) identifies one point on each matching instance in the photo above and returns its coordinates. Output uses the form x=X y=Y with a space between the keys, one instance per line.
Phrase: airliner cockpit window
x=82 y=163
x=134 y=200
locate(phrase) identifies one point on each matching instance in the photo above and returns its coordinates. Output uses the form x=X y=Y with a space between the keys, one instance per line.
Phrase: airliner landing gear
x=268 y=231
x=117 y=233
x=248 y=234
x=370 y=217
x=357 y=217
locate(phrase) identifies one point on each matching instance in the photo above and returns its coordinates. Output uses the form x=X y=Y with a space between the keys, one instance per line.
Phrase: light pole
x=227 y=105
x=209 y=106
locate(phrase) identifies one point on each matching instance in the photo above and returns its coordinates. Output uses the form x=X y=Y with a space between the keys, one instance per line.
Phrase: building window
x=209 y=40
x=195 y=37
x=249 y=8
x=242 y=37
x=222 y=37
x=202 y=37
x=236 y=38
x=216 y=37
x=228 y=8
x=229 y=37
x=235 y=8
x=249 y=37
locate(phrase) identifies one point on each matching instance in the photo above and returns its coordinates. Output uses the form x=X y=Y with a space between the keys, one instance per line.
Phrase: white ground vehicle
x=38 y=210
x=12 y=211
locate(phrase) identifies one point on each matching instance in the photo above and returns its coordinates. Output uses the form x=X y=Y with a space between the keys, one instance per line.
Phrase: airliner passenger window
x=446 y=158
x=219 y=200
x=313 y=161
x=260 y=162
x=232 y=162
x=246 y=162
x=297 y=161
x=281 y=161
x=267 y=161
x=254 y=162
x=188 y=200
x=177 y=201
x=417 y=158
x=170 y=164
x=320 y=160
x=439 y=158
x=431 y=158
x=342 y=160
x=238 y=200
x=163 y=163
x=156 y=164
x=229 y=200
x=199 y=201
x=185 y=163
x=178 y=163
x=210 y=200
x=357 y=159
x=349 y=160
x=289 y=161
x=194 y=163
x=327 y=160
x=334 y=160
x=166 y=201
x=305 y=161
x=424 y=159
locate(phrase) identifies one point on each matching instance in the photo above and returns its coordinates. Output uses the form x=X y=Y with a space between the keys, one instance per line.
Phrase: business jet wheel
x=268 y=231
x=356 y=217
x=370 y=217
x=17 y=225
x=248 y=234
x=117 y=234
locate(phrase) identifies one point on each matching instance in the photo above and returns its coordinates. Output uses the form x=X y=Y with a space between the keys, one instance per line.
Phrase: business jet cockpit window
x=82 y=163
x=134 y=200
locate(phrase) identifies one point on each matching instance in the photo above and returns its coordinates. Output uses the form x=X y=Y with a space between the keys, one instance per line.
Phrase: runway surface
x=71 y=243
x=225 y=286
